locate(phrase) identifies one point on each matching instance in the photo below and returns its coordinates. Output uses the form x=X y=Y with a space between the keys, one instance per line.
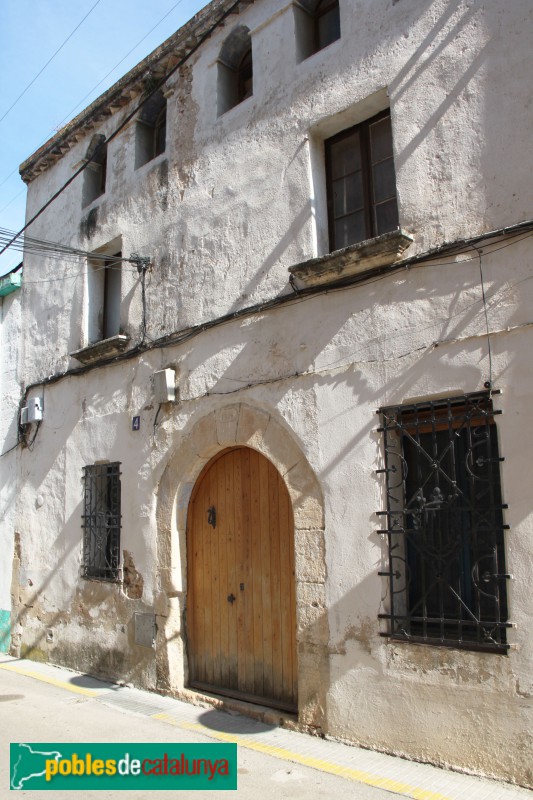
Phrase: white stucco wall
x=10 y=321
x=232 y=203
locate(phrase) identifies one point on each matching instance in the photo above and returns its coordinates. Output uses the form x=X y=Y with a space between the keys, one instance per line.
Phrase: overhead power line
x=29 y=243
x=89 y=93
x=135 y=46
x=157 y=86
x=13 y=198
x=71 y=34
x=63 y=253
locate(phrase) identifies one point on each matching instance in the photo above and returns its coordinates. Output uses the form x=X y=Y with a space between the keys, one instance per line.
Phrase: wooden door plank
x=248 y=647
x=275 y=485
x=241 y=520
x=198 y=587
x=246 y=574
x=257 y=588
x=292 y=587
x=288 y=608
x=266 y=575
x=221 y=533
x=192 y=594
x=214 y=577
x=205 y=568
x=232 y=582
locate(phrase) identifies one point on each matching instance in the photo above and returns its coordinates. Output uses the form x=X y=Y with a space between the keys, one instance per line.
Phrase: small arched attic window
x=235 y=70
x=151 y=131
x=318 y=24
x=94 y=175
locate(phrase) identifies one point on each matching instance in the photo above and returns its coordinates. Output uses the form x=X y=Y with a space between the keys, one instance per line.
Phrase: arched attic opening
x=151 y=130
x=235 y=70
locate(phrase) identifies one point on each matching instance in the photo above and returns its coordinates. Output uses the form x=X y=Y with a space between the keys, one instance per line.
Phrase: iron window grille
x=444 y=524
x=101 y=522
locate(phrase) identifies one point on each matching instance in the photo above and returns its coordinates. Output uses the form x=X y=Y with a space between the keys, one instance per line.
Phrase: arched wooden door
x=241 y=616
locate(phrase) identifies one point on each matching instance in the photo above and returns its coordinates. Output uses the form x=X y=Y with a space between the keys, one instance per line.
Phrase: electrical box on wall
x=165 y=386
x=33 y=412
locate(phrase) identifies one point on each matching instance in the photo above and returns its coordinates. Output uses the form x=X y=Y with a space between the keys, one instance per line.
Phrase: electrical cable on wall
x=482 y=282
x=331 y=369
x=191 y=333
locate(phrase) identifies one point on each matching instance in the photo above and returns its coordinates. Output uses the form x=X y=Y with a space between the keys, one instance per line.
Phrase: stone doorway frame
x=230 y=426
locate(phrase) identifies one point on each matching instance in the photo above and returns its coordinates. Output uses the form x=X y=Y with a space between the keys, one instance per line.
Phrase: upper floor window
x=444 y=524
x=105 y=297
x=318 y=24
x=151 y=130
x=94 y=175
x=327 y=23
x=235 y=70
x=361 y=182
x=245 y=77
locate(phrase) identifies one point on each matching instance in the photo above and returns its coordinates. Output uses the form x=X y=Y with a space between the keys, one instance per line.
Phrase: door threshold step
x=232 y=705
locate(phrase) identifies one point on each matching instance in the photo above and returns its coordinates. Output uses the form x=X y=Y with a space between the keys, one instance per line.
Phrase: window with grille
x=101 y=521
x=361 y=182
x=444 y=524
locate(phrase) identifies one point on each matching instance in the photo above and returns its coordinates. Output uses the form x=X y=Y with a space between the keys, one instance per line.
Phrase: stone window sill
x=99 y=351
x=382 y=251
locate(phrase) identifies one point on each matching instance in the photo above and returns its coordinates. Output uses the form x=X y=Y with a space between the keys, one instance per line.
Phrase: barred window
x=101 y=521
x=444 y=524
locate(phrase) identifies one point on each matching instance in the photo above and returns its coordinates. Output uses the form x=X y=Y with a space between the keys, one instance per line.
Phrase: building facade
x=10 y=321
x=282 y=362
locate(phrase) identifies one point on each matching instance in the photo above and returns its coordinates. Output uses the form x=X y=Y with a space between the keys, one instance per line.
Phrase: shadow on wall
x=488 y=92
x=27 y=603
x=357 y=334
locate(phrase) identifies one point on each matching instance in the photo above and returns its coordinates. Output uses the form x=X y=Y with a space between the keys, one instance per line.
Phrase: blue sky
x=30 y=33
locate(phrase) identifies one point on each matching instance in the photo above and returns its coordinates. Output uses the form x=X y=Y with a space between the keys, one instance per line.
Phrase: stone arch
x=227 y=426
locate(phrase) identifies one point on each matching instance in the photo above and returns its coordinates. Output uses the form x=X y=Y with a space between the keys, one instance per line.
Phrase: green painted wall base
x=5 y=630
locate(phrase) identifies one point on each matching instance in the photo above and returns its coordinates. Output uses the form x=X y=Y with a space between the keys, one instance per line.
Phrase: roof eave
x=156 y=65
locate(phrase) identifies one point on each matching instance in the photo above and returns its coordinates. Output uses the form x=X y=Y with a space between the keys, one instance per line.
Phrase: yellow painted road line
x=53 y=681
x=356 y=775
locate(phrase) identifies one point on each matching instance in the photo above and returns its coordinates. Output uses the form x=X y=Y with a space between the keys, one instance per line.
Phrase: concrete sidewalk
x=337 y=770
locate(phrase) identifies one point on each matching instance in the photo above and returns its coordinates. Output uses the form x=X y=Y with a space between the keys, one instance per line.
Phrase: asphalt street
x=39 y=703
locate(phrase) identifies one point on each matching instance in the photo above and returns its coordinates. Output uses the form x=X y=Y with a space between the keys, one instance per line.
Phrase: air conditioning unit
x=33 y=412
